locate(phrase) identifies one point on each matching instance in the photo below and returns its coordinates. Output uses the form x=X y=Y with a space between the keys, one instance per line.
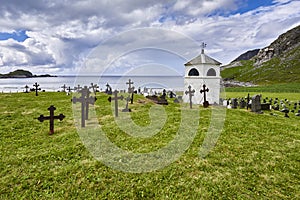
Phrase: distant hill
x=277 y=63
x=20 y=73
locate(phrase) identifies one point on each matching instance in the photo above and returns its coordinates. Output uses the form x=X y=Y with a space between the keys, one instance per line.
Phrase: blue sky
x=58 y=37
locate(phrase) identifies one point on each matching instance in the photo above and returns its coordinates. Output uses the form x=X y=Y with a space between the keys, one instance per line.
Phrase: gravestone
x=116 y=98
x=285 y=111
x=69 y=90
x=64 y=87
x=248 y=101
x=108 y=89
x=94 y=87
x=275 y=107
x=164 y=94
x=78 y=88
x=256 y=105
x=85 y=100
x=298 y=113
x=204 y=90
x=243 y=103
x=172 y=94
x=265 y=106
x=36 y=88
x=26 y=88
x=234 y=103
x=126 y=109
x=51 y=118
x=190 y=92
x=130 y=89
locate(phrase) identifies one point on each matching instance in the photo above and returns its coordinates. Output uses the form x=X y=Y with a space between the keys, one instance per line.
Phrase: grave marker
x=78 y=88
x=256 y=105
x=234 y=103
x=190 y=92
x=36 y=85
x=126 y=109
x=85 y=100
x=26 y=88
x=108 y=89
x=205 y=103
x=130 y=89
x=51 y=118
x=116 y=98
x=64 y=87
x=94 y=87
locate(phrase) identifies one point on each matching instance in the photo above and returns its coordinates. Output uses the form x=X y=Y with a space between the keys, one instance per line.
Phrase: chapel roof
x=202 y=59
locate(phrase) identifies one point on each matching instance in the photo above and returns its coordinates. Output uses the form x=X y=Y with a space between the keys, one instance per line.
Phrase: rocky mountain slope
x=277 y=63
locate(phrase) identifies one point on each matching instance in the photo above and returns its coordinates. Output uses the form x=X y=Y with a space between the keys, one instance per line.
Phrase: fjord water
x=53 y=84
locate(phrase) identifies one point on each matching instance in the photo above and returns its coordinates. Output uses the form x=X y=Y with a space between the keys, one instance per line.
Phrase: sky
x=65 y=37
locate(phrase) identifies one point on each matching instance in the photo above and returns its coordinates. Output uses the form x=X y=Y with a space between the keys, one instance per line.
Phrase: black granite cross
x=36 y=85
x=51 y=118
x=26 y=87
x=94 y=87
x=64 y=87
x=190 y=92
x=205 y=103
x=116 y=98
x=84 y=99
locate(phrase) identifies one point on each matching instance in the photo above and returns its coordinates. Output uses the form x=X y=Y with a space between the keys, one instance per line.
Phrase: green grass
x=256 y=156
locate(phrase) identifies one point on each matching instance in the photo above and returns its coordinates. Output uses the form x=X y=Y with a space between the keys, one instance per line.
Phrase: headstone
x=204 y=90
x=64 y=87
x=115 y=98
x=298 y=113
x=275 y=107
x=94 y=87
x=172 y=94
x=51 y=118
x=164 y=94
x=243 y=103
x=190 y=92
x=234 y=103
x=126 y=109
x=130 y=89
x=256 y=105
x=84 y=99
x=265 y=106
x=108 y=89
x=248 y=101
x=77 y=89
x=26 y=88
x=36 y=88
x=69 y=90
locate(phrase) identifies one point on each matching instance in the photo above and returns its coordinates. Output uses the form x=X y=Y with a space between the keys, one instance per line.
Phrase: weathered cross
x=26 y=87
x=87 y=105
x=77 y=88
x=85 y=100
x=36 y=85
x=51 y=118
x=116 y=98
x=64 y=87
x=126 y=109
x=191 y=94
x=130 y=89
x=94 y=87
x=205 y=103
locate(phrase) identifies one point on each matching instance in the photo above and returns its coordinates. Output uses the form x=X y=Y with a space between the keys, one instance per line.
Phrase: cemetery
x=256 y=154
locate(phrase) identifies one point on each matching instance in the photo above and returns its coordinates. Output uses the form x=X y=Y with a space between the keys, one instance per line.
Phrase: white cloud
x=62 y=33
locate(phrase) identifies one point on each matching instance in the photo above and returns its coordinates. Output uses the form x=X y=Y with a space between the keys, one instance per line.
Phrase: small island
x=20 y=73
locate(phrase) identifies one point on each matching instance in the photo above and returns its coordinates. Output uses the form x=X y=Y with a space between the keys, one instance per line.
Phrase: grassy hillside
x=284 y=69
x=256 y=156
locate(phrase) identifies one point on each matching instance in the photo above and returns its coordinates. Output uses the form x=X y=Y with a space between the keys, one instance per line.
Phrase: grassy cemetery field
x=256 y=156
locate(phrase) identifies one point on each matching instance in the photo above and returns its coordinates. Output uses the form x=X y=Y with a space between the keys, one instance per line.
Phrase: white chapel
x=202 y=70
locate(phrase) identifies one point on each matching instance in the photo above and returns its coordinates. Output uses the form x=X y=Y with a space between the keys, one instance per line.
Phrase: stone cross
x=51 y=118
x=26 y=87
x=77 y=88
x=126 y=109
x=64 y=87
x=205 y=103
x=36 y=85
x=108 y=89
x=191 y=94
x=94 y=87
x=84 y=99
x=69 y=90
x=116 y=98
x=130 y=89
